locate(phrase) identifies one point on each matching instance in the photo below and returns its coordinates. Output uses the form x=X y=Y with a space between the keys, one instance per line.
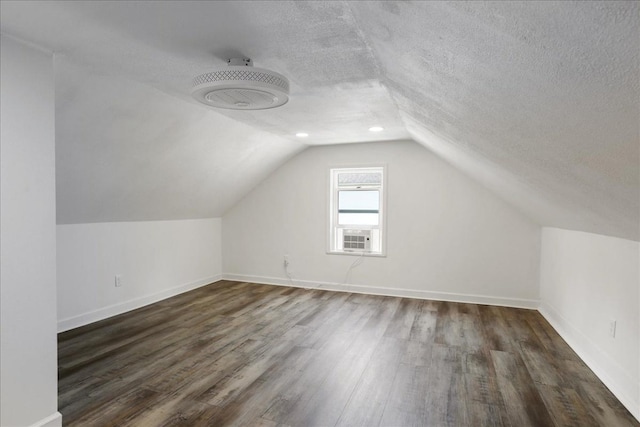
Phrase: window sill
x=356 y=253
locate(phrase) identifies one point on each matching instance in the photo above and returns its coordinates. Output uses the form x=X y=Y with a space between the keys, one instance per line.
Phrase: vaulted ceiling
x=538 y=101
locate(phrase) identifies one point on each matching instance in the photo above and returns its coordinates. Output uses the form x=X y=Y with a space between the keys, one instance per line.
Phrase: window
x=356 y=216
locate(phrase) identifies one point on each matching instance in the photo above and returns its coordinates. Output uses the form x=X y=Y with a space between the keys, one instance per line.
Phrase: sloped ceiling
x=539 y=101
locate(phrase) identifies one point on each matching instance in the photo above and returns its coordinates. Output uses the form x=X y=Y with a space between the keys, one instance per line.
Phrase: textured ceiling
x=128 y=152
x=539 y=101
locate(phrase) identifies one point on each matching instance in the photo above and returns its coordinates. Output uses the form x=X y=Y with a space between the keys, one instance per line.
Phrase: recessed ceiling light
x=376 y=129
x=302 y=134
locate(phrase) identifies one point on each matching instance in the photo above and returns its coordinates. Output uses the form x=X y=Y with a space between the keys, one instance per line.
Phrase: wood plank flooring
x=241 y=354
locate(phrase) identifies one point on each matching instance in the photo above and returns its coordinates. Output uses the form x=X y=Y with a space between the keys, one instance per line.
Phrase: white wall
x=448 y=237
x=586 y=280
x=28 y=345
x=156 y=260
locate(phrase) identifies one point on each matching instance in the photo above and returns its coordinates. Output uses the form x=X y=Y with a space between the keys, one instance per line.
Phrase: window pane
x=358 y=219
x=355 y=178
x=359 y=201
x=358 y=207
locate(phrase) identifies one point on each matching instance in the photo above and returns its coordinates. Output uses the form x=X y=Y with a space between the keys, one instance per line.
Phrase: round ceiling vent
x=240 y=86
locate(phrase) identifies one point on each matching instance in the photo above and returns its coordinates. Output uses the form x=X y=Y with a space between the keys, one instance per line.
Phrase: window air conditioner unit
x=356 y=240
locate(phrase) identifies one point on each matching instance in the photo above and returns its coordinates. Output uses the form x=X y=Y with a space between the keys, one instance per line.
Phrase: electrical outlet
x=286 y=261
x=118 y=281
x=612 y=328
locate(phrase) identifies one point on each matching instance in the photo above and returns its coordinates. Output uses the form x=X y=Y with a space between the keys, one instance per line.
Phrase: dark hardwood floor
x=254 y=355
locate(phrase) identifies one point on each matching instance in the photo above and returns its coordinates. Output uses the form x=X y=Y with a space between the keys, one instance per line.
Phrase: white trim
x=614 y=376
x=132 y=304
x=393 y=292
x=53 y=420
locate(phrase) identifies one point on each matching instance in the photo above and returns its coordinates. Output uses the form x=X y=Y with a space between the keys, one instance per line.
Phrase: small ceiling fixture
x=302 y=134
x=376 y=129
x=240 y=86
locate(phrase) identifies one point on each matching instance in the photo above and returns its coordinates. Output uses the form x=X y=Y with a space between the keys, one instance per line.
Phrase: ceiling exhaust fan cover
x=240 y=86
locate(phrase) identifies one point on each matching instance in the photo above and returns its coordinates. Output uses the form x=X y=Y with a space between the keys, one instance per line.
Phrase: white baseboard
x=614 y=376
x=132 y=304
x=53 y=420
x=394 y=292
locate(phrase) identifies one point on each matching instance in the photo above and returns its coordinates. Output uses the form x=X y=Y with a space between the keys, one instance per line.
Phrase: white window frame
x=332 y=235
